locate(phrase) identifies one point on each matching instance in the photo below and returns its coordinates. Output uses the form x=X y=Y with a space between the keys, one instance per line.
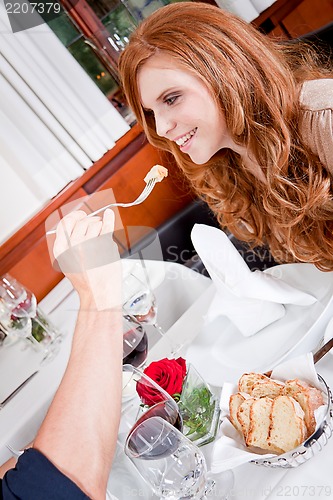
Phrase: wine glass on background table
x=21 y=318
x=171 y=464
x=18 y=307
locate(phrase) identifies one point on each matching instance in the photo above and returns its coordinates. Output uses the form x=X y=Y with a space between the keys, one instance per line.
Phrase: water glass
x=170 y=463
x=22 y=319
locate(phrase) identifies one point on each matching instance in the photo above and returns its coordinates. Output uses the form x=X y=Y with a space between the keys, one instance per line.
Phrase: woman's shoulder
x=317 y=95
x=316 y=121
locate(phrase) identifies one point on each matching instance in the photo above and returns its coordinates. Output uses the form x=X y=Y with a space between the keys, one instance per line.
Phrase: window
x=71 y=37
x=95 y=32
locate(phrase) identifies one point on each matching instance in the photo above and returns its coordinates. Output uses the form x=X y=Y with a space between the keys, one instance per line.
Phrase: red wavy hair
x=256 y=83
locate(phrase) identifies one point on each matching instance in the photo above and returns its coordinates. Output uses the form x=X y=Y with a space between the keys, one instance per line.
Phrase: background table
x=183 y=297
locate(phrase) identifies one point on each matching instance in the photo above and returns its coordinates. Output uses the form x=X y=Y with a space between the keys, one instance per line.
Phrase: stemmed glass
x=18 y=306
x=140 y=301
x=20 y=318
x=135 y=342
x=171 y=464
x=142 y=398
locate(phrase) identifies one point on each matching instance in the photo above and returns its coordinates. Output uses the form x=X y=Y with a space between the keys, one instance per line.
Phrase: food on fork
x=156 y=172
x=272 y=415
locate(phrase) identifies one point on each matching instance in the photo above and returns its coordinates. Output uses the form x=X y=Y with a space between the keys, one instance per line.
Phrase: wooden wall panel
x=35 y=270
x=309 y=16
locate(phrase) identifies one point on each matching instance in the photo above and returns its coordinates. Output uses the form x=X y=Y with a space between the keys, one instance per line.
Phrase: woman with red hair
x=248 y=120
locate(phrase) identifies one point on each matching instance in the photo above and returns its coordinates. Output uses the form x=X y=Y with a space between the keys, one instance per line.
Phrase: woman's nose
x=164 y=125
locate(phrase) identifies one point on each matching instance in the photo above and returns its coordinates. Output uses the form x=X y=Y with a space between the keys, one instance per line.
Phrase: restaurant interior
x=87 y=37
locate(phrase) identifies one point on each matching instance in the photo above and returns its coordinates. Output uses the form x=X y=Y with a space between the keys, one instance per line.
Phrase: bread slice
x=243 y=415
x=270 y=388
x=260 y=422
x=287 y=429
x=247 y=380
x=234 y=403
x=308 y=397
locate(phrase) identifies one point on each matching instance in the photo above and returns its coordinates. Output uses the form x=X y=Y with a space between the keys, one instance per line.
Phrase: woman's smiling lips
x=184 y=139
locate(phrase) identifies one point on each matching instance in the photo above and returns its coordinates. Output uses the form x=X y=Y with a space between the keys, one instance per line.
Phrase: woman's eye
x=170 y=100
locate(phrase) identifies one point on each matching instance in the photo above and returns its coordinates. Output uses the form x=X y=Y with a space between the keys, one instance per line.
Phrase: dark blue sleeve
x=36 y=478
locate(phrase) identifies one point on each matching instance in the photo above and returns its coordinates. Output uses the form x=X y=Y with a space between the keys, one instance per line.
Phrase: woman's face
x=183 y=107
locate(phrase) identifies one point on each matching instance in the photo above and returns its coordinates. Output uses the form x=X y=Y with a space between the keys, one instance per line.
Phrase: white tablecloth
x=183 y=298
x=176 y=288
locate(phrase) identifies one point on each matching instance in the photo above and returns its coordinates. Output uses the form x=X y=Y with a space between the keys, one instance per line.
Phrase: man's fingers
x=94 y=229
x=67 y=225
x=108 y=221
x=64 y=231
x=86 y=228
x=85 y=242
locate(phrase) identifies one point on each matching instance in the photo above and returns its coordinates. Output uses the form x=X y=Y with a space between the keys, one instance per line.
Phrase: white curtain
x=54 y=121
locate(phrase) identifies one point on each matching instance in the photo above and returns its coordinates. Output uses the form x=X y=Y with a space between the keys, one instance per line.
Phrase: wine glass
x=142 y=398
x=171 y=464
x=20 y=318
x=18 y=306
x=140 y=301
x=135 y=342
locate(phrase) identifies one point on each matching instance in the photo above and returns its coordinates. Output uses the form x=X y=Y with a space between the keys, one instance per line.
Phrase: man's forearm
x=79 y=432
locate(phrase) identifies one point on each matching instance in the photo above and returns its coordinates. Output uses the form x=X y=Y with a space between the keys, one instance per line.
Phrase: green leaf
x=197 y=411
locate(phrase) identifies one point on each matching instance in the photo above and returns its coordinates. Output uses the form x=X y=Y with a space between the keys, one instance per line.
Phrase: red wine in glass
x=142 y=432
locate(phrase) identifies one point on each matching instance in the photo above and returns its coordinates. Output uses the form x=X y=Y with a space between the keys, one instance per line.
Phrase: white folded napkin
x=229 y=449
x=251 y=300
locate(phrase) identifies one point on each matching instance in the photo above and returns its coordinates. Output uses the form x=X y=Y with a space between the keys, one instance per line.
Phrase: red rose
x=168 y=374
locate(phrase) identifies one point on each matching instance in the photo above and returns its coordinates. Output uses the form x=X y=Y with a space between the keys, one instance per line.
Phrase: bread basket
x=313 y=445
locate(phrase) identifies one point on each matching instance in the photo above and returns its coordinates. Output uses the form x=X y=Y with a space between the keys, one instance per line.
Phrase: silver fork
x=142 y=197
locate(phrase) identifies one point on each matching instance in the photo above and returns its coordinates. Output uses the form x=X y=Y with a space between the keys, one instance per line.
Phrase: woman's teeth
x=182 y=140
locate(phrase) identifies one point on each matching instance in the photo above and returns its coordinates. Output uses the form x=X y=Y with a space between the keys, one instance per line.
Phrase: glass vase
x=199 y=409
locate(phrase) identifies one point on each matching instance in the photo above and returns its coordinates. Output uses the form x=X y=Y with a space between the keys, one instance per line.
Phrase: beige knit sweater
x=317 y=122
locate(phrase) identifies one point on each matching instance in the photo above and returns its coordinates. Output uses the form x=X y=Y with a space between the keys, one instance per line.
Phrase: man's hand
x=88 y=256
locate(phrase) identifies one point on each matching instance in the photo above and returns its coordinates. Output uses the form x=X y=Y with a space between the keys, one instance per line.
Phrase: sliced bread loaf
x=247 y=380
x=287 y=429
x=243 y=415
x=270 y=388
x=260 y=422
x=308 y=397
x=234 y=403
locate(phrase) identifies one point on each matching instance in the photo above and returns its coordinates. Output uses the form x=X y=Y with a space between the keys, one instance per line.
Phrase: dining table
x=183 y=297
